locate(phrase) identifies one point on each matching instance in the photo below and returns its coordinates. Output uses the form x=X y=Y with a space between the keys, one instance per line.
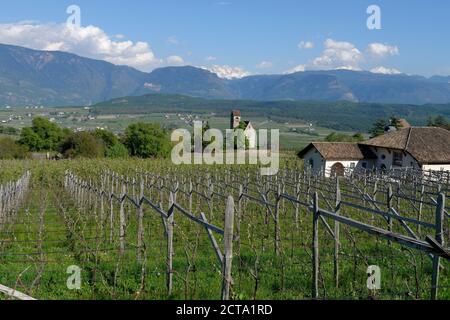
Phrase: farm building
x=333 y=157
x=249 y=131
x=424 y=148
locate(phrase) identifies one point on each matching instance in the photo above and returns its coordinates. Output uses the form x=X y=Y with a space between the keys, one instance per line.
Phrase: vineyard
x=149 y=230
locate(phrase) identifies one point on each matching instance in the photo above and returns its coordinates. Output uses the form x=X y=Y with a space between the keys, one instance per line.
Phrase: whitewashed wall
x=316 y=157
x=436 y=167
x=407 y=162
x=250 y=133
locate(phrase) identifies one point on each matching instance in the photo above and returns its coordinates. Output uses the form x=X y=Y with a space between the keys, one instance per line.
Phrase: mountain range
x=32 y=77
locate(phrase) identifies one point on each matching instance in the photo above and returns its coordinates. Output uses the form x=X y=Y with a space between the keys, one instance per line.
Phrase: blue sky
x=241 y=37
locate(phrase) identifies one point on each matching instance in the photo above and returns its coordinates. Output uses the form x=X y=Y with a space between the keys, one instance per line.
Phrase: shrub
x=113 y=147
x=146 y=140
x=117 y=151
x=82 y=144
x=10 y=149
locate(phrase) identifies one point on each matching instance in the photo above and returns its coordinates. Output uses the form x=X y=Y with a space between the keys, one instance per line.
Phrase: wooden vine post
x=315 y=248
x=140 y=215
x=390 y=196
x=239 y=217
x=122 y=220
x=228 y=249
x=277 y=222
x=336 y=234
x=111 y=213
x=170 y=226
x=440 y=208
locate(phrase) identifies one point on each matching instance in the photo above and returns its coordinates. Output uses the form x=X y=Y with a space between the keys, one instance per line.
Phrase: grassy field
x=52 y=232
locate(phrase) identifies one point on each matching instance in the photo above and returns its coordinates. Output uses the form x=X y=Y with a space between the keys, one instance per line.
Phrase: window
x=383 y=157
x=398 y=159
x=311 y=163
x=364 y=165
x=352 y=165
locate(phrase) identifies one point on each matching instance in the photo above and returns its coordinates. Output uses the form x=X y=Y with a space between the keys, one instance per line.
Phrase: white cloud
x=175 y=61
x=299 y=68
x=211 y=58
x=380 y=50
x=306 y=45
x=384 y=70
x=264 y=65
x=338 y=55
x=228 y=72
x=172 y=40
x=89 y=41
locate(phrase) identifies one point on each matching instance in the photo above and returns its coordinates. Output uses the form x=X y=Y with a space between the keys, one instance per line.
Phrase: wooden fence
x=12 y=195
x=326 y=199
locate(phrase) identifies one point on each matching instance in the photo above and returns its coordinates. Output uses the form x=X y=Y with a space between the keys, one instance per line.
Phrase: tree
x=9 y=130
x=340 y=137
x=394 y=121
x=117 y=151
x=147 y=140
x=113 y=147
x=358 y=137
x=10 y=149
x=31 y=140
x=43 y=135
x=82 y=144
x=378 y=128
x=108 y=138
x=438 y=121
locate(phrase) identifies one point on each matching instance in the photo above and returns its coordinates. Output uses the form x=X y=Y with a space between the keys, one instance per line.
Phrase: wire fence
x=234 y=234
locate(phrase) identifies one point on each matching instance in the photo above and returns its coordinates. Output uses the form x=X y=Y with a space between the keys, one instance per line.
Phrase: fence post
x=111 y=213
x=336 y=234
x=315 y=247
x=170 y=225
x=440 y=239
x=228 y=251
x=140 y=214
x=122 y=220
x=239 y=217
x=297 y=205
x=419 y=214
x=191 y=191
x=277 y=222
x=389 y=207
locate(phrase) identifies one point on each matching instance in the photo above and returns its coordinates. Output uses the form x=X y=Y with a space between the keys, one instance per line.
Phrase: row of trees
x=341 y=137
x=438 y=121
x=145 y=140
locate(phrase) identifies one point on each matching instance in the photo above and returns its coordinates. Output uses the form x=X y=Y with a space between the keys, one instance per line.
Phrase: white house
x=332 y=158
x=423 y=148
x=249 y=131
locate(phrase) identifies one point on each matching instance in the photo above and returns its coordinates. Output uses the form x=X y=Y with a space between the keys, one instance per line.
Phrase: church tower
x=235 y=119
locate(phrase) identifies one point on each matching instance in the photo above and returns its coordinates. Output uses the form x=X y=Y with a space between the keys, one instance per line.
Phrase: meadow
x=123 y=253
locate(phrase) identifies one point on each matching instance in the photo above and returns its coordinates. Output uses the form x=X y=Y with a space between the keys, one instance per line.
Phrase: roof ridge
x=408 y=139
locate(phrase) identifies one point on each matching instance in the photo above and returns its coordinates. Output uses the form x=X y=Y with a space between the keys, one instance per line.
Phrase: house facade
x=420 y=148
x=249 y=131
x=332 y=158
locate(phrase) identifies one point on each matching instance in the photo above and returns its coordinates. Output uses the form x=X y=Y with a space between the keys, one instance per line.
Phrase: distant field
x=292 y=134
